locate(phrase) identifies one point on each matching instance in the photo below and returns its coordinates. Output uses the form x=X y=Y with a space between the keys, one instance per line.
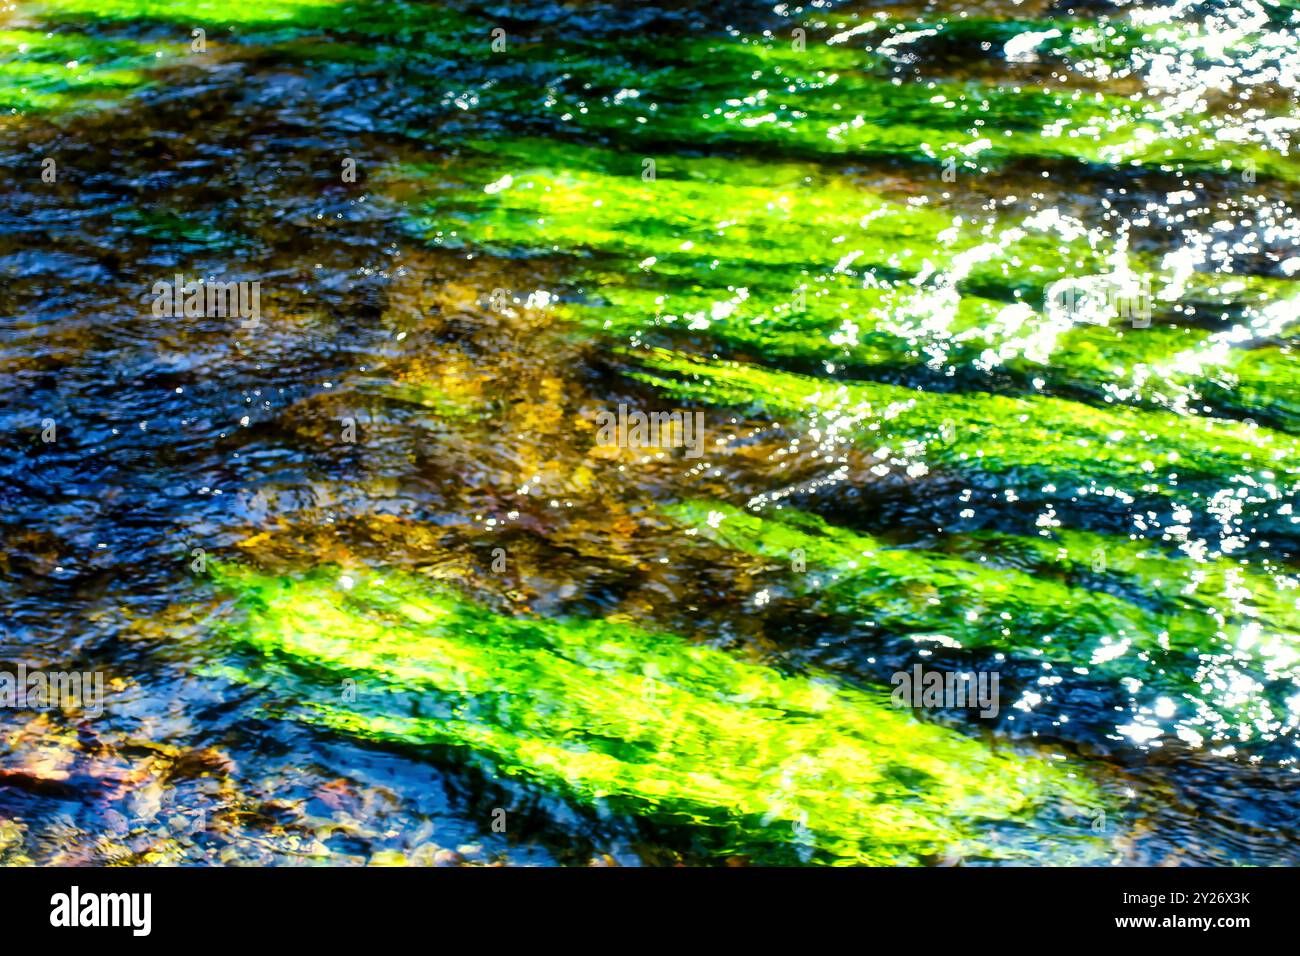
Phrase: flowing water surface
x=988 y=316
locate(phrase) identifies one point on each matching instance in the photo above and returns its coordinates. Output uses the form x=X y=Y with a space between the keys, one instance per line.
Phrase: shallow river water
x=978 y=323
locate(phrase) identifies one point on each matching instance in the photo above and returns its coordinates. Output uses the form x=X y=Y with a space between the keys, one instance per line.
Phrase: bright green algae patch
x=741 y=93
x=808 y=269
x=1211 y=648
x=1039 y=444
x=1189 y=580
x=40 y=71
x=738 y=92
x=773 y=766
x=392 y=17
x=48 y=67
x=693 y=216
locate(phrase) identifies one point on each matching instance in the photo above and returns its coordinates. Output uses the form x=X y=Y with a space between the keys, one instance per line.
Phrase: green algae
x=172 y=226
x=694 y=216
x=775 y=296
x=394 y=18
x=432 y=396
x=42 y=72
x=735 y=91
x=743 y=93
x=776 y=257
x=1033 y=444
x=1187 y=580
x=54 y=69
x=807 y=269
x=1182 y=636
x=1234 y=372
x=742 y=284
x=771 y=766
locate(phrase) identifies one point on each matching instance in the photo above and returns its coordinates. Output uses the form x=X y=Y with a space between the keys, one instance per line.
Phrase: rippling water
x=980 y=324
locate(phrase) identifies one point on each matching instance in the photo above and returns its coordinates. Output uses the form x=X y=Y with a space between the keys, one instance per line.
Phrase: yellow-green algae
x=765 y=220
x=1188 y=580
x=1041 y=445
x=773 y=766
x=737 y=91
x=42 y=71
x=806 y=269
x=1241 y=370
x=1220 y=642
x=391 y=17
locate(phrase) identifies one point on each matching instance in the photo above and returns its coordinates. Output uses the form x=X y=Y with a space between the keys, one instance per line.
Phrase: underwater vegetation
x=646 y=723
x=43 y=71
x=987 y=319
x=1210 y=645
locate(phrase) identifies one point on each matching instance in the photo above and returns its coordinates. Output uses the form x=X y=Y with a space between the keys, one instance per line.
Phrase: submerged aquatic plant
x=1042 y=447
x=858 y=241
x=809 y=269
x=773 y=766
x=42 y=71
x=1211 y=648
x=838 y=96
